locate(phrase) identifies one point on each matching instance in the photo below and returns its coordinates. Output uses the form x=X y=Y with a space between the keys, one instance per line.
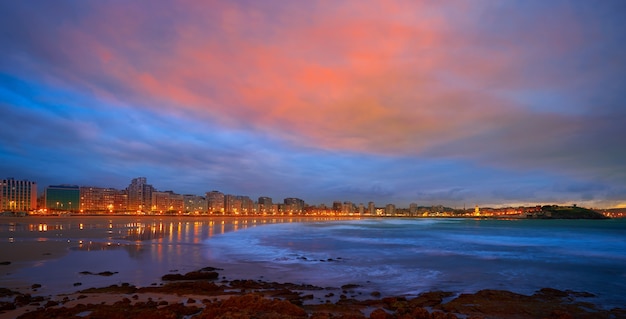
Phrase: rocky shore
x=202 y=294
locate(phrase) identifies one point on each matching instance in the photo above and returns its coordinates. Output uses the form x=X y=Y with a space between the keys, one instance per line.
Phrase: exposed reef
x=200 y=295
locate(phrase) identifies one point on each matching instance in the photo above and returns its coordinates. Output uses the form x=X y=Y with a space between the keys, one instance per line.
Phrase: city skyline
x=141 y=196
x=506 y=104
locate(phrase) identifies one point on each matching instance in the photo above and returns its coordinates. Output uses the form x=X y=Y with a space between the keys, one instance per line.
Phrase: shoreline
x=303 y=216
x=202 y=294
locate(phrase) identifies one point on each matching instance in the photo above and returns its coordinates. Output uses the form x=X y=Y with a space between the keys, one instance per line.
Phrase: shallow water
x=411 y=256
x=393 y=256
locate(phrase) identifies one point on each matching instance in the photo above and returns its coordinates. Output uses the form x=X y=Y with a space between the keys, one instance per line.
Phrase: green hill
x=568 y=212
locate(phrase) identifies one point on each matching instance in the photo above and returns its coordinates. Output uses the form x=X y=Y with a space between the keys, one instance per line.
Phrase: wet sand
x=14 y=255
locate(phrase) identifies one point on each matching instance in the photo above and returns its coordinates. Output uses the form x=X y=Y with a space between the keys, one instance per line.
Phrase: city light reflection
x=93 y=233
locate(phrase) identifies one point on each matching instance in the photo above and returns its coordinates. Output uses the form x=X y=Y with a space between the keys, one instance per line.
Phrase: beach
x=326 y=268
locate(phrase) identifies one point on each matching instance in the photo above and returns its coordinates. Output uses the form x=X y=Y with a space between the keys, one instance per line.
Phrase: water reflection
x=140 y=249
x=133 y=250
x=126 y=230
x=138 y=231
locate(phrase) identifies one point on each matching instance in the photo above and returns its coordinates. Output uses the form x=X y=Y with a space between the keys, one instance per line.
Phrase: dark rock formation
x=194 y=275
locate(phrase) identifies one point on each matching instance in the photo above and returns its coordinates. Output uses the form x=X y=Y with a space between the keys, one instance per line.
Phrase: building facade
x=237 y=204
x=371 y=208
x=18 y=195
x=337 y=206
x=293 y=205
x=195 y=204
x=347 y=208
x=139 y=194
x=265 y=206
x=100 y=200
x=390 y=210
x=63 y=198
x=167 y=201
x=215 y=202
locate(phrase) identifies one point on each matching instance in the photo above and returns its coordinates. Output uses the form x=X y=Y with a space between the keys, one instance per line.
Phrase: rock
x=544 y=303
x=250 y=306
x=551 y=293
x=429 y=299
x=5 y=292
x=350 y=286
x=106 y=273
x=115 y=289
x=380 y=314
x=116 y=310
x=420 y=313
x=22 y=300
x=559 y=314
x=442 y=315
x=194 y=275
x=6 y=305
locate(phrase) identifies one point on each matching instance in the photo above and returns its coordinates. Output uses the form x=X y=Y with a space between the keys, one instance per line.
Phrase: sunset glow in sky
x=453 y=102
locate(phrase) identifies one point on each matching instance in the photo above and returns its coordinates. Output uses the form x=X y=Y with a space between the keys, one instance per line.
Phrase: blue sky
x=488 y=103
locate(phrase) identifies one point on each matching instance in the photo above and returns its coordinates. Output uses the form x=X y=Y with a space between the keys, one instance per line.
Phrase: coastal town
x=20 y=197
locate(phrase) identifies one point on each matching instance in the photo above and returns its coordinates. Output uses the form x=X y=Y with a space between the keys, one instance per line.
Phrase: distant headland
x=567 y=212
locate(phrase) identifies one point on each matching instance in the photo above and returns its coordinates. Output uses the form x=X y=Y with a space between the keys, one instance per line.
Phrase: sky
x=455 y=103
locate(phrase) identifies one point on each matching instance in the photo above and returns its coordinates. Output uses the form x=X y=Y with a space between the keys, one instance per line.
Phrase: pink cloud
x=401 y=77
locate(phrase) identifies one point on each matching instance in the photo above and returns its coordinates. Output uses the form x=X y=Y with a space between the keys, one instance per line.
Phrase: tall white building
x=390 y=210
x=215 y=202
x=371 y=208
x=139 y=195
x=18 y=195
x=265 y=205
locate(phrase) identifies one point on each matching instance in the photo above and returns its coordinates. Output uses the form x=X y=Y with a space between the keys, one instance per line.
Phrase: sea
x=392 y=256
